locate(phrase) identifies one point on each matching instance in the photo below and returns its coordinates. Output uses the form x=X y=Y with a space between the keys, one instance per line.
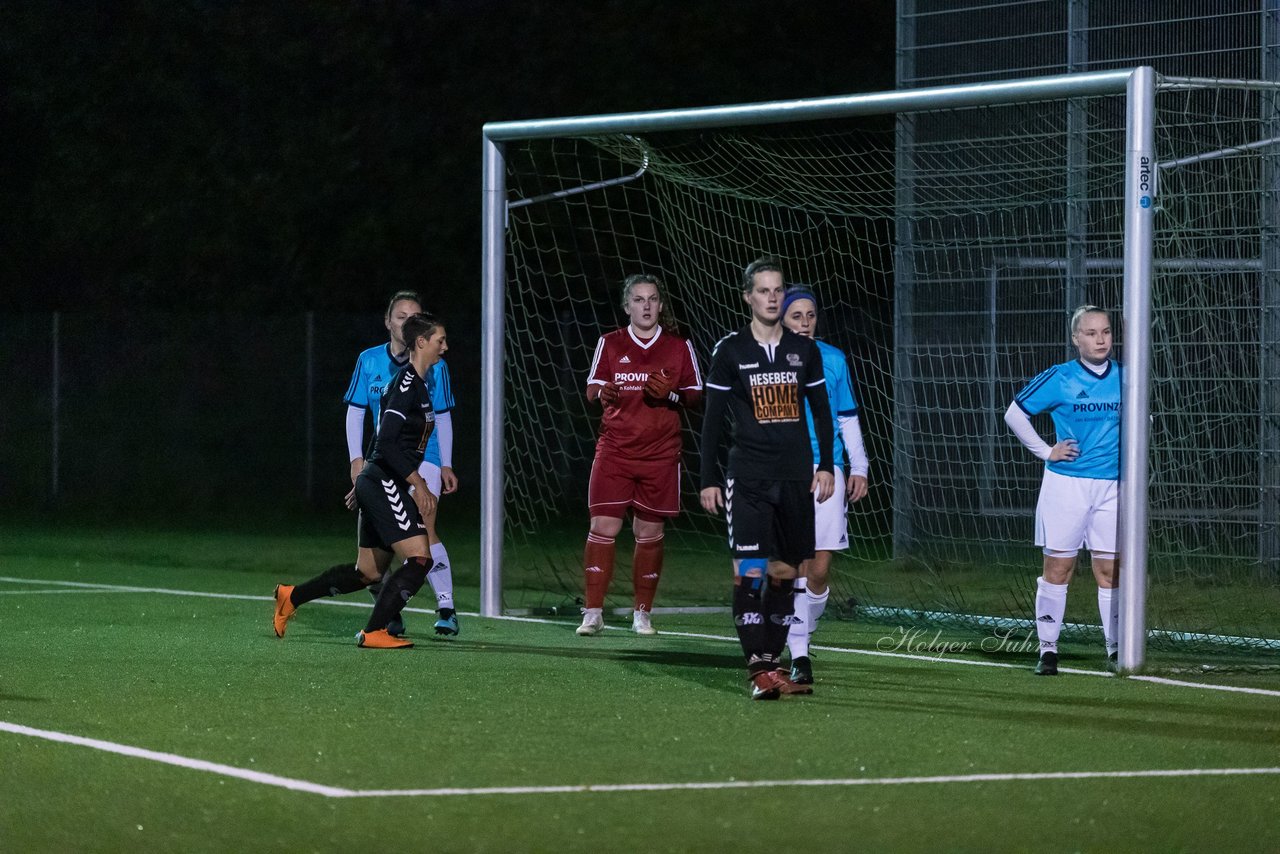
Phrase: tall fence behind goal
x=949 y=290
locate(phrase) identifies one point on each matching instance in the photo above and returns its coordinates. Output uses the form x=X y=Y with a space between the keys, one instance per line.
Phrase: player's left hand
x=823 y=486
x=426 y=502
x=856 y=487
x=659 y=385
x=350 y=499
x=610 y=394
x=448 y=480
x=712 y=499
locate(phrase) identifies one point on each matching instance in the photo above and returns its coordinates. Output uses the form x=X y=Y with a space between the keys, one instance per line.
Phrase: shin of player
x=764 y=374
x=831 y=529
x=1078 y=495
x=642 y=375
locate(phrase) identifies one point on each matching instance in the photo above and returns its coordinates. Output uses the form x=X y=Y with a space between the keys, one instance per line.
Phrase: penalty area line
x=179 y=761
x=832 y=783
x=308 y=787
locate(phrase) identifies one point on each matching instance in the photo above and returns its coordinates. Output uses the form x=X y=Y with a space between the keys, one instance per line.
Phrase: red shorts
x=651 y=487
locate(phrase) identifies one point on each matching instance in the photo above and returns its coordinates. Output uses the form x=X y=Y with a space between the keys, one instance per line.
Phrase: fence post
x=310 y=404
x=55 y=406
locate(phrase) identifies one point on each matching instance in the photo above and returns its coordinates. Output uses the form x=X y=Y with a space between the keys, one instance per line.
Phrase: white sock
x=1051 y=604
x=1109 y=610
x=810 y=607
x=441 y=576
x=817 y=605
x=798 y=635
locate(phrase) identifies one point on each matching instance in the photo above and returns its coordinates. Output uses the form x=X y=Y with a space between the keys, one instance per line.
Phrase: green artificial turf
x=515 y=703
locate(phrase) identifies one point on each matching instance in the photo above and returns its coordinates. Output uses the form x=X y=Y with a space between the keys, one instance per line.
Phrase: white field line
x=834 y=782
x=46 y=592
x=603 y=788
x=1181 y=684
x=936 y=659
x=180 y=761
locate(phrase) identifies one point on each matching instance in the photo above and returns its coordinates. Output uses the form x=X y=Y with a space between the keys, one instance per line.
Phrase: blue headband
x=797 y=293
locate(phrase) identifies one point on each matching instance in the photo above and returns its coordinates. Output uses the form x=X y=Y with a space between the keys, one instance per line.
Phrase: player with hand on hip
x=643 y=375
x=764 y=374
x=831 y=523
x=1079 y=492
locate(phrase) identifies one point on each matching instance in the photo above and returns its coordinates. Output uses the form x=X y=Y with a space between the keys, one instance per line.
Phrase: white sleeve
x=1020 y=424
x=444 y=434
x=851 y=433
x=355 y=432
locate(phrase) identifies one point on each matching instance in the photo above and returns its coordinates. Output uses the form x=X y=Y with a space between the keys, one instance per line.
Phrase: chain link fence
x=148 y=415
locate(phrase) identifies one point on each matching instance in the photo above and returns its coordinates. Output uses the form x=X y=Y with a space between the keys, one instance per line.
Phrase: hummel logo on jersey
x=1083 y=395
x=406 y=383
x=748 y=367
x=625 y=360
x=754 y=547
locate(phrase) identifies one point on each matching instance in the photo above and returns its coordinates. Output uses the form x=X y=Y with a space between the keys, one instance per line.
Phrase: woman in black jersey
x=392 y=498
x=763 y=375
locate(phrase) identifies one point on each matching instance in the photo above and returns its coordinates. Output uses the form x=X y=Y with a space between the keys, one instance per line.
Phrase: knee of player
x=817 y=572
x=1059 y=564
x=606 y=526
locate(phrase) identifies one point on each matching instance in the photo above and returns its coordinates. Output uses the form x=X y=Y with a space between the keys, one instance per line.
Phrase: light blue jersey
x=1084 y=407
x=441 y=401
x=375 y=368
x=835 y=368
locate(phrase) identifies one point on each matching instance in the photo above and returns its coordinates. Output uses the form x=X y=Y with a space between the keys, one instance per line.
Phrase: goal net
x=947 y=249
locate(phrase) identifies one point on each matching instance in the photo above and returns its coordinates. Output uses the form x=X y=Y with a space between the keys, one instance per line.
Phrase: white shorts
x=431 y=474
x=831 y=519
x=1077 y=511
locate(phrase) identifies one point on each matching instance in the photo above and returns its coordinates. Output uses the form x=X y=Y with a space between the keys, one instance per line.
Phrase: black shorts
x=771 y=519
x=387 y=512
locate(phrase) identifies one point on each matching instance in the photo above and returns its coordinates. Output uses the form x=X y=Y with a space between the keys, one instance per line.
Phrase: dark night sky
x=265 y=157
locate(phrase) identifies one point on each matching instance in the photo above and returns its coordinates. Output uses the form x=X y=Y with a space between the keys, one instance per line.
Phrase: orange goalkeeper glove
x=659 y=385
x=609 y=394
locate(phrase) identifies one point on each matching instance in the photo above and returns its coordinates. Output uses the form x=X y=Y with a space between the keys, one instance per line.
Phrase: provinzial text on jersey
x=633 y=377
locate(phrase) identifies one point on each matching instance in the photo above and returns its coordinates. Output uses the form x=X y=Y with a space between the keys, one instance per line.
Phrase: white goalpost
x=949 y=229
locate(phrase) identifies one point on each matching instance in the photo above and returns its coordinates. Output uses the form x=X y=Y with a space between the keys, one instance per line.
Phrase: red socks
x=598 y=563
x=646 y=569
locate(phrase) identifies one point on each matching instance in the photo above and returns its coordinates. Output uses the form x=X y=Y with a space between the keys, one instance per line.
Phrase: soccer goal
x=948 y=232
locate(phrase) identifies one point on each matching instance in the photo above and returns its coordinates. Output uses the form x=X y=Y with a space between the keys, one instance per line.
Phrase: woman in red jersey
x=643 y=375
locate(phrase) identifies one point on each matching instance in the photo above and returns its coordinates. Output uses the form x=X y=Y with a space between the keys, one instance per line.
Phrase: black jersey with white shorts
x=387 y=511
x=763 y=387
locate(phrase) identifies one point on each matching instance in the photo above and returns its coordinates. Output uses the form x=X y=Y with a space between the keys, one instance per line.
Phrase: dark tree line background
x=232 y=160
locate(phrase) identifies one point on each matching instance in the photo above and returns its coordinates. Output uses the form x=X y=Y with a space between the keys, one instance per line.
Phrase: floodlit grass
x=529 y=704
